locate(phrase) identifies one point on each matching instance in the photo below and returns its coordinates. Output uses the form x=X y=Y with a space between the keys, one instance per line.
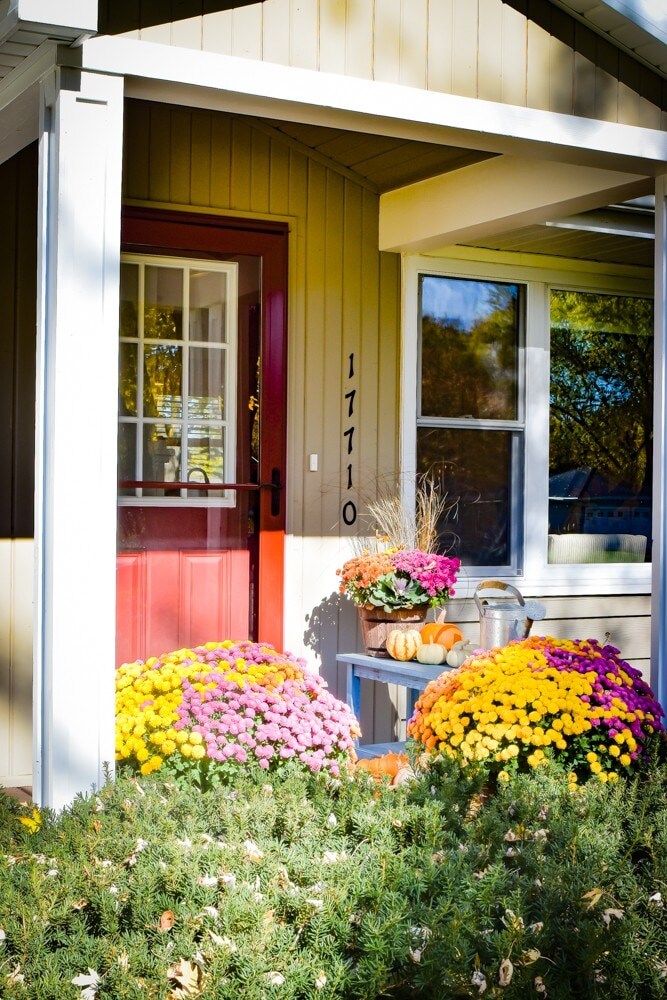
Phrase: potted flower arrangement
x=395 y=585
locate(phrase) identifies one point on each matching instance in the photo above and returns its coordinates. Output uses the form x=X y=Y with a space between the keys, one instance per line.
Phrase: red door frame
x=191 y=234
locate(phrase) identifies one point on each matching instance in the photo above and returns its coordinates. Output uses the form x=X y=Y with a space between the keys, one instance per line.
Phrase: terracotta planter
x=376 y=625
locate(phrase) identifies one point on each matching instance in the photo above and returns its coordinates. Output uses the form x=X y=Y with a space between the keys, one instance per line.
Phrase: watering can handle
x=497 y=585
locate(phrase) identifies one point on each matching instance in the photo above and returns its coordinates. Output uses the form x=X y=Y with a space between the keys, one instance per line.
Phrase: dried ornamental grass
x=225 y=705
x=539 y=698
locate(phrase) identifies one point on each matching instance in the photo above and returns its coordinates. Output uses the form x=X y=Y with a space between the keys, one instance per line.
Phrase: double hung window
x=529 y=401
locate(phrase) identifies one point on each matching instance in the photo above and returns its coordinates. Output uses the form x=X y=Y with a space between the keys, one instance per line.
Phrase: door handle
x=275 y=486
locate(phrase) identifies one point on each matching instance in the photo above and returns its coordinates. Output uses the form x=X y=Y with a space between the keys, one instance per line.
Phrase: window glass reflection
x=601 y=428
x=206 y=384
x=163 y=303
x=473 y=470
x=469 y=348
x=207 y=306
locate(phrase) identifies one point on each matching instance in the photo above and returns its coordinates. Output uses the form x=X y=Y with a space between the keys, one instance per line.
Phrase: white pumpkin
x=432 y=653
x=459 y=653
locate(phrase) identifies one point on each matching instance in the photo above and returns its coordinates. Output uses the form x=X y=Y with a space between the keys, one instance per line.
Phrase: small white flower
x=207 y=880
x=52 y=873
x=107 y=864
x=210 y=911
x=228 y=879
x=321 y=981
x=332 y=857
x=316 y=904
x=275 y=978
x=479 y=980
x=332 y=822
x=99 y=805
x=89 y=984
x=222 y=942
x=3 y=935
x=537 y=927
x=539 y=985
x=656 y=900
x=251 y=851
x=113 y=889
x=415 y=955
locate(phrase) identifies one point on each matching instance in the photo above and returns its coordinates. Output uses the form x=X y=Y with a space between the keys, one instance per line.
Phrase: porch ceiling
x=383 y=162
x=619 y=235
x=573 y=243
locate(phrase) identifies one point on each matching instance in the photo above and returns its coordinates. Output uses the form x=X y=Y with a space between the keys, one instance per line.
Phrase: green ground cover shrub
x=296 y=885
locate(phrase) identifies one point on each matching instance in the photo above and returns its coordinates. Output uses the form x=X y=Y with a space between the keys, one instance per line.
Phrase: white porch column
x=659 y=581
x=75 y=509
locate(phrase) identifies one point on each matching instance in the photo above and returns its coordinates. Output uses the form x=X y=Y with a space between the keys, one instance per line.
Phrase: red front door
x=201 y=431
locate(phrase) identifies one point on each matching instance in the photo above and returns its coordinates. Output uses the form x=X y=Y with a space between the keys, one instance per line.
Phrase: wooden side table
x=411 y=675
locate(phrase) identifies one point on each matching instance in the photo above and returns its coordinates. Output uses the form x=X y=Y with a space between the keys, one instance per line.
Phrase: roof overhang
x=228 y=83
x=27 y=24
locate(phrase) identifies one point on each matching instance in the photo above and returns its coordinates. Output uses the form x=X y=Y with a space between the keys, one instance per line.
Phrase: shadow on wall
x=332 y=627
x=116 y=17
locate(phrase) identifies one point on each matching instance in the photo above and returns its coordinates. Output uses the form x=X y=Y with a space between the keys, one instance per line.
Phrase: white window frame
x=222 y=498
x=533 y=575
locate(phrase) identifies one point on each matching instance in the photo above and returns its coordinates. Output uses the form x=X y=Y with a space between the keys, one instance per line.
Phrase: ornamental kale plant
x=203 y=713
x=513 y=708
x=399 y=578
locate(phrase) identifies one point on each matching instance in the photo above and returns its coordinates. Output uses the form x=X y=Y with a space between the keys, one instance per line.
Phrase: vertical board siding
x=344 y=299
x=475 y=48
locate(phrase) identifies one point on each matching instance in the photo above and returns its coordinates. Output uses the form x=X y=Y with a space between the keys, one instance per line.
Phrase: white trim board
x=165 y=73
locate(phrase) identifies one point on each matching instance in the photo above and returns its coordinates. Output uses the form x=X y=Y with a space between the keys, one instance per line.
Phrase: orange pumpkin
x=431 y=631
x=389 y=764
x=449 y=635
x=444 y=633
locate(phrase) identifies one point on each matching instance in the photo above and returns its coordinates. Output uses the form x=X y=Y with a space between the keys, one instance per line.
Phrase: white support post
x=659 y=578
x=77 y=393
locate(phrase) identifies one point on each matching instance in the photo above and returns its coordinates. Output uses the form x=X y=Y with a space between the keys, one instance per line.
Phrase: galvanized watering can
x=503 y=613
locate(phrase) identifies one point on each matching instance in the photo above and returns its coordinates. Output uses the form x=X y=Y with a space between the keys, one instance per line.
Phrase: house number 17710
x=349 y=511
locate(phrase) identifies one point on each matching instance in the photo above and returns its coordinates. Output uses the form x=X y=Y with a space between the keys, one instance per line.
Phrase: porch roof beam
x=495 y=196
x=252 y=87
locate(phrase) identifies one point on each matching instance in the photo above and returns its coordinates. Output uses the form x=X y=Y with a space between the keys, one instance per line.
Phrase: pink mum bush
x=225 y=705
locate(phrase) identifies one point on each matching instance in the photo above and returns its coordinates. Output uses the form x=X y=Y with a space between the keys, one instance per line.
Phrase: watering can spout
x=503 y=613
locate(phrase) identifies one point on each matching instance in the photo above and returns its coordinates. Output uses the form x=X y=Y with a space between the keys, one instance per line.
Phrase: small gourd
x=402 y=644
x=459 y=653
x=432 y=653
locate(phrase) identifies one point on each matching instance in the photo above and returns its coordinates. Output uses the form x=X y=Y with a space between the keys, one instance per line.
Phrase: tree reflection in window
x=601 y=414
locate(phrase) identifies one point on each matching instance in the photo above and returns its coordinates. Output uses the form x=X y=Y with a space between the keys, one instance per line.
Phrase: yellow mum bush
x=537 y=699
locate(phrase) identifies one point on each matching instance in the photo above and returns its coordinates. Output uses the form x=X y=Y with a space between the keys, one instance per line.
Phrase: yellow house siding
x=475 y=48
x=343 y=300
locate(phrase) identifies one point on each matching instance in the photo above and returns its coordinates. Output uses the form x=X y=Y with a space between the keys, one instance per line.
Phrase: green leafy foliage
x=292 y=885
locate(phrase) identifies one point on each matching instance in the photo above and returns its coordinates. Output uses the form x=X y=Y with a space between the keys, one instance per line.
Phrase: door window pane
x=600 y=428
x=129 y=299
x=469 y=348
x=127 y=456
x=127 y=380
x=163 y=303
x=473 y=470
x=208 y=294
x=163 y=379
x=161 y=455
x=206 y=455
x=206 y=396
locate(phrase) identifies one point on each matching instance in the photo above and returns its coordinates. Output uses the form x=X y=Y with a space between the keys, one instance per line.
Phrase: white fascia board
x=495 y=196
x=165 y=73
x=651 y=15
x=74 y=16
